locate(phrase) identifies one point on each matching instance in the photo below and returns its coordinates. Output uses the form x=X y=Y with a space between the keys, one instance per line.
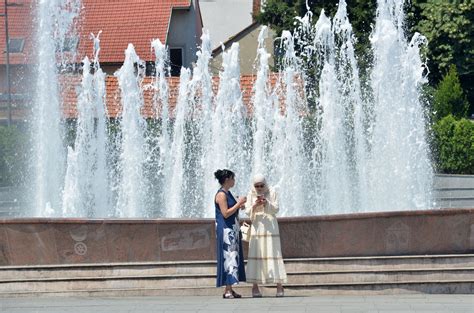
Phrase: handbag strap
x=252 y=214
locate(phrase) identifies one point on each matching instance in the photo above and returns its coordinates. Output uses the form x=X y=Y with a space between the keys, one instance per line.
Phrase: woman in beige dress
x=265 y=261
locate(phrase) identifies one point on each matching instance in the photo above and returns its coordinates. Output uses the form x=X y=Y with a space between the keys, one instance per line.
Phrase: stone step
x=459 y=278
x=453 y=181
x=9 y=204
x=70 y=286
x=464 y=286
x=107 y=270
x=209 y=267
x=381 y=276
x=454 y=203
x=8 y=212
x=183 y=280
x=75 y=283
x=9 y=193
x=454 y=193
x=380 y=262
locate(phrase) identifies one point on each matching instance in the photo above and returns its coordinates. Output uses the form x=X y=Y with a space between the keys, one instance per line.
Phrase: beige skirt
x=265 y=261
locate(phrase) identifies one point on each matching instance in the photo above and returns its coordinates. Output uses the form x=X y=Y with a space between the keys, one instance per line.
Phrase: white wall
x=225 y=18
x=185 y=32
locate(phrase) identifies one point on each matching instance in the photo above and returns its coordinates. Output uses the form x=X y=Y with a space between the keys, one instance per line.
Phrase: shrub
x=455 y=145
x=449 y=97
x=13 y=144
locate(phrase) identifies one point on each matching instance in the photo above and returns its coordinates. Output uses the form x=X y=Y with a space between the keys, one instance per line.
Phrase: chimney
x=256 y=8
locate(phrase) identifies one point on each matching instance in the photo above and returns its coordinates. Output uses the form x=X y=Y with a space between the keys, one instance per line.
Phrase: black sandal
x=236 y=295
x=228 y=295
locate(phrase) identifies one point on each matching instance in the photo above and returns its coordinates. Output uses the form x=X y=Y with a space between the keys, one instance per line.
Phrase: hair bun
x=218 y=174
x=221 y=175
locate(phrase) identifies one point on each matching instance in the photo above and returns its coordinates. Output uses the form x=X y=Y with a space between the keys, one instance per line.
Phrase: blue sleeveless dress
x=230 y=257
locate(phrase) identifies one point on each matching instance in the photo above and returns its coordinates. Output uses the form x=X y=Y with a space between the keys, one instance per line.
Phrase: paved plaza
x=339 y=304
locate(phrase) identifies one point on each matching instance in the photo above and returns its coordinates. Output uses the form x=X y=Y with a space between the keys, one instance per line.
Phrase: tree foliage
x=449 y=28
x=454 y=140
x=449 y=97
x=13 y=147
x=280 y=15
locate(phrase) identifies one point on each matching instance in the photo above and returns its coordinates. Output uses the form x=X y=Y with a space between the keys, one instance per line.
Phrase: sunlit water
x=347 y=149
x=55 y=18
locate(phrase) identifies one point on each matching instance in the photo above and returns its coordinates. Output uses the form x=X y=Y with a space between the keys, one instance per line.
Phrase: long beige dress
x=265 y=261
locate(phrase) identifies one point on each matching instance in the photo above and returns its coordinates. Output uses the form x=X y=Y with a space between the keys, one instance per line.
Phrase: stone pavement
x=340 y=304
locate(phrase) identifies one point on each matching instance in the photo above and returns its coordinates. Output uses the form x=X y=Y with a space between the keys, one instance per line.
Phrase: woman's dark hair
x=221 y=175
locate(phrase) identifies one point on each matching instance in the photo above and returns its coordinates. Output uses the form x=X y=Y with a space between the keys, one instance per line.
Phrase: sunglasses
x=259 y=186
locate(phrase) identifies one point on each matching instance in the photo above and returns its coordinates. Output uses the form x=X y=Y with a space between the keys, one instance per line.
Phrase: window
x=150 y=68
x=16 y=45
x=69 y=45
x=176 y=60
x=278 y=52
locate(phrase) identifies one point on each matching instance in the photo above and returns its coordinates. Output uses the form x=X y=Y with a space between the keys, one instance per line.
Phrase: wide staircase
x=349 y=275
x=454 y=191
x=9 y=202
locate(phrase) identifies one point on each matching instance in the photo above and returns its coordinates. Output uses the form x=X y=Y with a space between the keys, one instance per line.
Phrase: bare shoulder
x=221 y=196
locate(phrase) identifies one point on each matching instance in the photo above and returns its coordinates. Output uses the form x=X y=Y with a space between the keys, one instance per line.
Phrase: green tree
x=448 y=26
x=13 y=147
x=280 y=15
x=454 y=140
x=449 y=97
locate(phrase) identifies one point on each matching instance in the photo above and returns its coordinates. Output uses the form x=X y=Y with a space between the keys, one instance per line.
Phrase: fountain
x=86 y=180
x=357 y=147
x=55 y=18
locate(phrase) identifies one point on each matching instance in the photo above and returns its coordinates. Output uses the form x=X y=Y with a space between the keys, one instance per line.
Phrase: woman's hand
x=260 y=201
x=241 y=202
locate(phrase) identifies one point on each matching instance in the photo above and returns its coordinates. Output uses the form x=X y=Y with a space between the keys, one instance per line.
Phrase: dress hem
x=276 y=281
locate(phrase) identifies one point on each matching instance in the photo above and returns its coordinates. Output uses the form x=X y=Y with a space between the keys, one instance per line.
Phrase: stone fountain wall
x=67 y=241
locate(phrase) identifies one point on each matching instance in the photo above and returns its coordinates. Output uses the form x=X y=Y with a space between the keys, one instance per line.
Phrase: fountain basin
x=35 y=241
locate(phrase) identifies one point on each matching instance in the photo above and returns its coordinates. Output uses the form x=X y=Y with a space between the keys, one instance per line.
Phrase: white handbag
x=245 y=229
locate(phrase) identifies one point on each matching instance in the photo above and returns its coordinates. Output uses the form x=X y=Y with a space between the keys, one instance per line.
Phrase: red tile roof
x=121 y=21
x=69 y=84
x=126 y=21
x=20 y=17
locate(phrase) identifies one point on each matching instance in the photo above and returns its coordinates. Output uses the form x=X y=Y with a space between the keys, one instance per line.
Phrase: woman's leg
x=280 y=292
x=256 y=291
x=228 y=291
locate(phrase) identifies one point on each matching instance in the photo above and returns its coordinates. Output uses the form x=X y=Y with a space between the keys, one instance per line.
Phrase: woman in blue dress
x=230 y=258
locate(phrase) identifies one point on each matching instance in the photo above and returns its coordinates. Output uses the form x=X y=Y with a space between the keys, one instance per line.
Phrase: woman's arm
x=272 y=203
x=221 y=200
x=249 y=204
